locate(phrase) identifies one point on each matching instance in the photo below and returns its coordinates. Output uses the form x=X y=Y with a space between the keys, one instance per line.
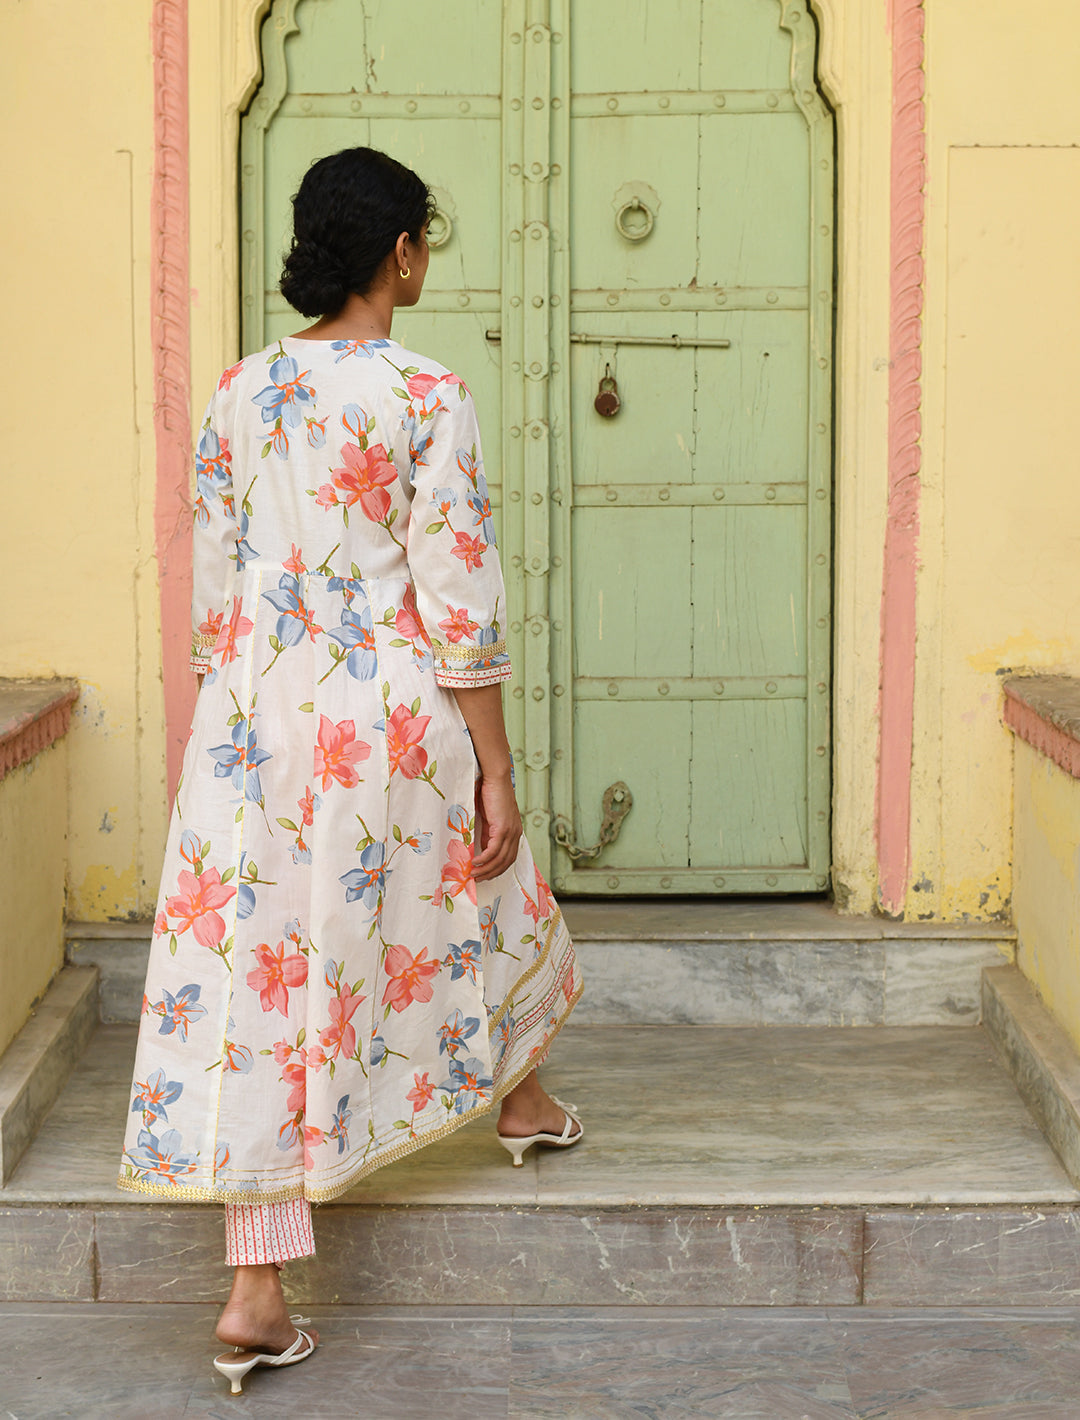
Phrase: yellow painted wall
x=33 y=830
x=997 y=583
x=76 y=104
x=1046 y=895
x=998 y=586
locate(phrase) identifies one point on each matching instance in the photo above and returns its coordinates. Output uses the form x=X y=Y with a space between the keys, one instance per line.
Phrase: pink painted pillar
x=897 y=659
x=170 y=332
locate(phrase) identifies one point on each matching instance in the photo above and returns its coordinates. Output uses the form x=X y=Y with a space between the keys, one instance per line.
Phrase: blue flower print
x=237 y=1058
x=464 y=960
x=365 y=884
x=162 y=1156
x=455 y=1031
x=445 y=498
x=357 y=635
x=339 y=1130
x=364 y=349
x=221 y=1157
x=480 y=503
x=489 y=927
x=378 y=1051
x=240 y=761
x=469 y=1083
x=180 y=1011
x=349 y=587
x=285 y=394
x=295 y=620
x=245 y=553
x=152 y=1097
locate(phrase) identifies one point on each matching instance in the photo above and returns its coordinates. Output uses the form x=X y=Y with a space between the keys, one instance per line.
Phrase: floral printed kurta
x=328 y=987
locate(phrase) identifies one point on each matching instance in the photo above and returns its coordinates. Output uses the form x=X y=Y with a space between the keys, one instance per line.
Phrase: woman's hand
x=498 y=827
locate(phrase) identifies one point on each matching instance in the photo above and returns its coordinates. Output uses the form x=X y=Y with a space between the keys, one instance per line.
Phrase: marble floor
x=119 y=1362
x=675 y=1115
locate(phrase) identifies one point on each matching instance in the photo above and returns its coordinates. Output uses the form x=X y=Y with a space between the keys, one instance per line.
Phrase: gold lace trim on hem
x=459 y=651
x=187 y=1194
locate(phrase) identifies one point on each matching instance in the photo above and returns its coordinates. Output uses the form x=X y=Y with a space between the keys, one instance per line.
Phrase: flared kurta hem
x=181 y=1193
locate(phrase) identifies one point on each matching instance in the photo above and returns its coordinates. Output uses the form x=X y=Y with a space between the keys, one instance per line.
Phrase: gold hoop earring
x=406 y=273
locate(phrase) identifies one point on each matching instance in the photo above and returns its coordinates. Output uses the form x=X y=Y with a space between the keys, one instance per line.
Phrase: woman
x=353 y=953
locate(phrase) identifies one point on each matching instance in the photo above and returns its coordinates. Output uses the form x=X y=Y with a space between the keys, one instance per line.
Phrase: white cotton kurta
x=328 y=987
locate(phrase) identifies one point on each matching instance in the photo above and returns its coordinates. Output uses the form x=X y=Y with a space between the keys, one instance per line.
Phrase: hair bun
x=314 y=280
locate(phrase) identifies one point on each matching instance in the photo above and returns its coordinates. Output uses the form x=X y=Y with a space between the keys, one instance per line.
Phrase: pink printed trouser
x=268 y=1232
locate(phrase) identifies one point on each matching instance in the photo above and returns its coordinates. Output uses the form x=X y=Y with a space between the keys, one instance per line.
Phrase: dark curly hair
x=348 y=213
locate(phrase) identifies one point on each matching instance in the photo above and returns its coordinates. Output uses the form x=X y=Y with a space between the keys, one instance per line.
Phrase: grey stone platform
x=126 y=1362
x=730 y=962
x=756 y=1166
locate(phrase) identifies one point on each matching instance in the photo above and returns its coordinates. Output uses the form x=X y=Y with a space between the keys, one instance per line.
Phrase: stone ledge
x=34 y=714
x=1044 y=711
x=36 y=1065
x=1040 y=1058
x=538 y=1257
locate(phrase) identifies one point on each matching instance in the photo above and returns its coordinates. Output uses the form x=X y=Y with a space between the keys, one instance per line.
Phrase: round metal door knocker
x=634 y=220
x=607 y=401
x=439 y=228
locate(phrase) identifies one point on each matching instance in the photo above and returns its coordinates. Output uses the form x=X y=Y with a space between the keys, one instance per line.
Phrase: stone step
x=722 y=1166
x=738 y=962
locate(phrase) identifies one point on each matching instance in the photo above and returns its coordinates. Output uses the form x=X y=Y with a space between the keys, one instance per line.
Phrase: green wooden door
x=649 y=192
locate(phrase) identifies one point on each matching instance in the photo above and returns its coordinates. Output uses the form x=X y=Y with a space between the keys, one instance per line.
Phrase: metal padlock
x=607 y=402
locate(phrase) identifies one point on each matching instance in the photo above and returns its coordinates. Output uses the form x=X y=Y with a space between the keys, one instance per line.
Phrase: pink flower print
x=409 y=977
x=339 y=1037
x=531 y=909
x=458 y=624
x=230 y=374
x=212 y=625
x=470 y=549
x=295 y=1077
x=421 y=385
x=295 y=563
x=282 y=1051
x=315 y=1058
x=545 y=901
x=457 y=873
x=196 y=905
x=236 y=626
x=404 y=731
x=306 y=805
x=337 y=750
x=161 y=924
x=363 y=479
x=422 y=1092
x=407 y=622
x=312 y=1139
x=274 y=974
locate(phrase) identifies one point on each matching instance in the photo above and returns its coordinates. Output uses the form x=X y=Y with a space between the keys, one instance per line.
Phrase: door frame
x=855 y=61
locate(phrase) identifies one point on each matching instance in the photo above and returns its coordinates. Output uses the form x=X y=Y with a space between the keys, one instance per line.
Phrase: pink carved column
x=897 y=658
x=170 y=331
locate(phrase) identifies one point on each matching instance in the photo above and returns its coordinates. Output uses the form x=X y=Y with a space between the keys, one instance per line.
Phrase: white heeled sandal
x=234 y=1369
x=564 y=1140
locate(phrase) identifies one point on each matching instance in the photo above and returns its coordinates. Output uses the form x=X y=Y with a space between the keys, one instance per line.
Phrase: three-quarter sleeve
x=213 y=541
x=451 y=540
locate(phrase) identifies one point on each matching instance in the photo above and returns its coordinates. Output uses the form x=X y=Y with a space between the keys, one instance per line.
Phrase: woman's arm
x=498 y=829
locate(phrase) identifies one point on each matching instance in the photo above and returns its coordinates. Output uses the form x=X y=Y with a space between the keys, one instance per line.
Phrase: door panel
x=658 y=827
x=647 y=192
x=701 y=507
x=748 y=788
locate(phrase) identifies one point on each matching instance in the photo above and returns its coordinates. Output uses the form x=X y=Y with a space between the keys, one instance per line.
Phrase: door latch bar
x=675 y=342
x=616 y=804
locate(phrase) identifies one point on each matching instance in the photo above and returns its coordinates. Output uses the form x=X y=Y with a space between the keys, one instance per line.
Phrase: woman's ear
x=401 y=251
